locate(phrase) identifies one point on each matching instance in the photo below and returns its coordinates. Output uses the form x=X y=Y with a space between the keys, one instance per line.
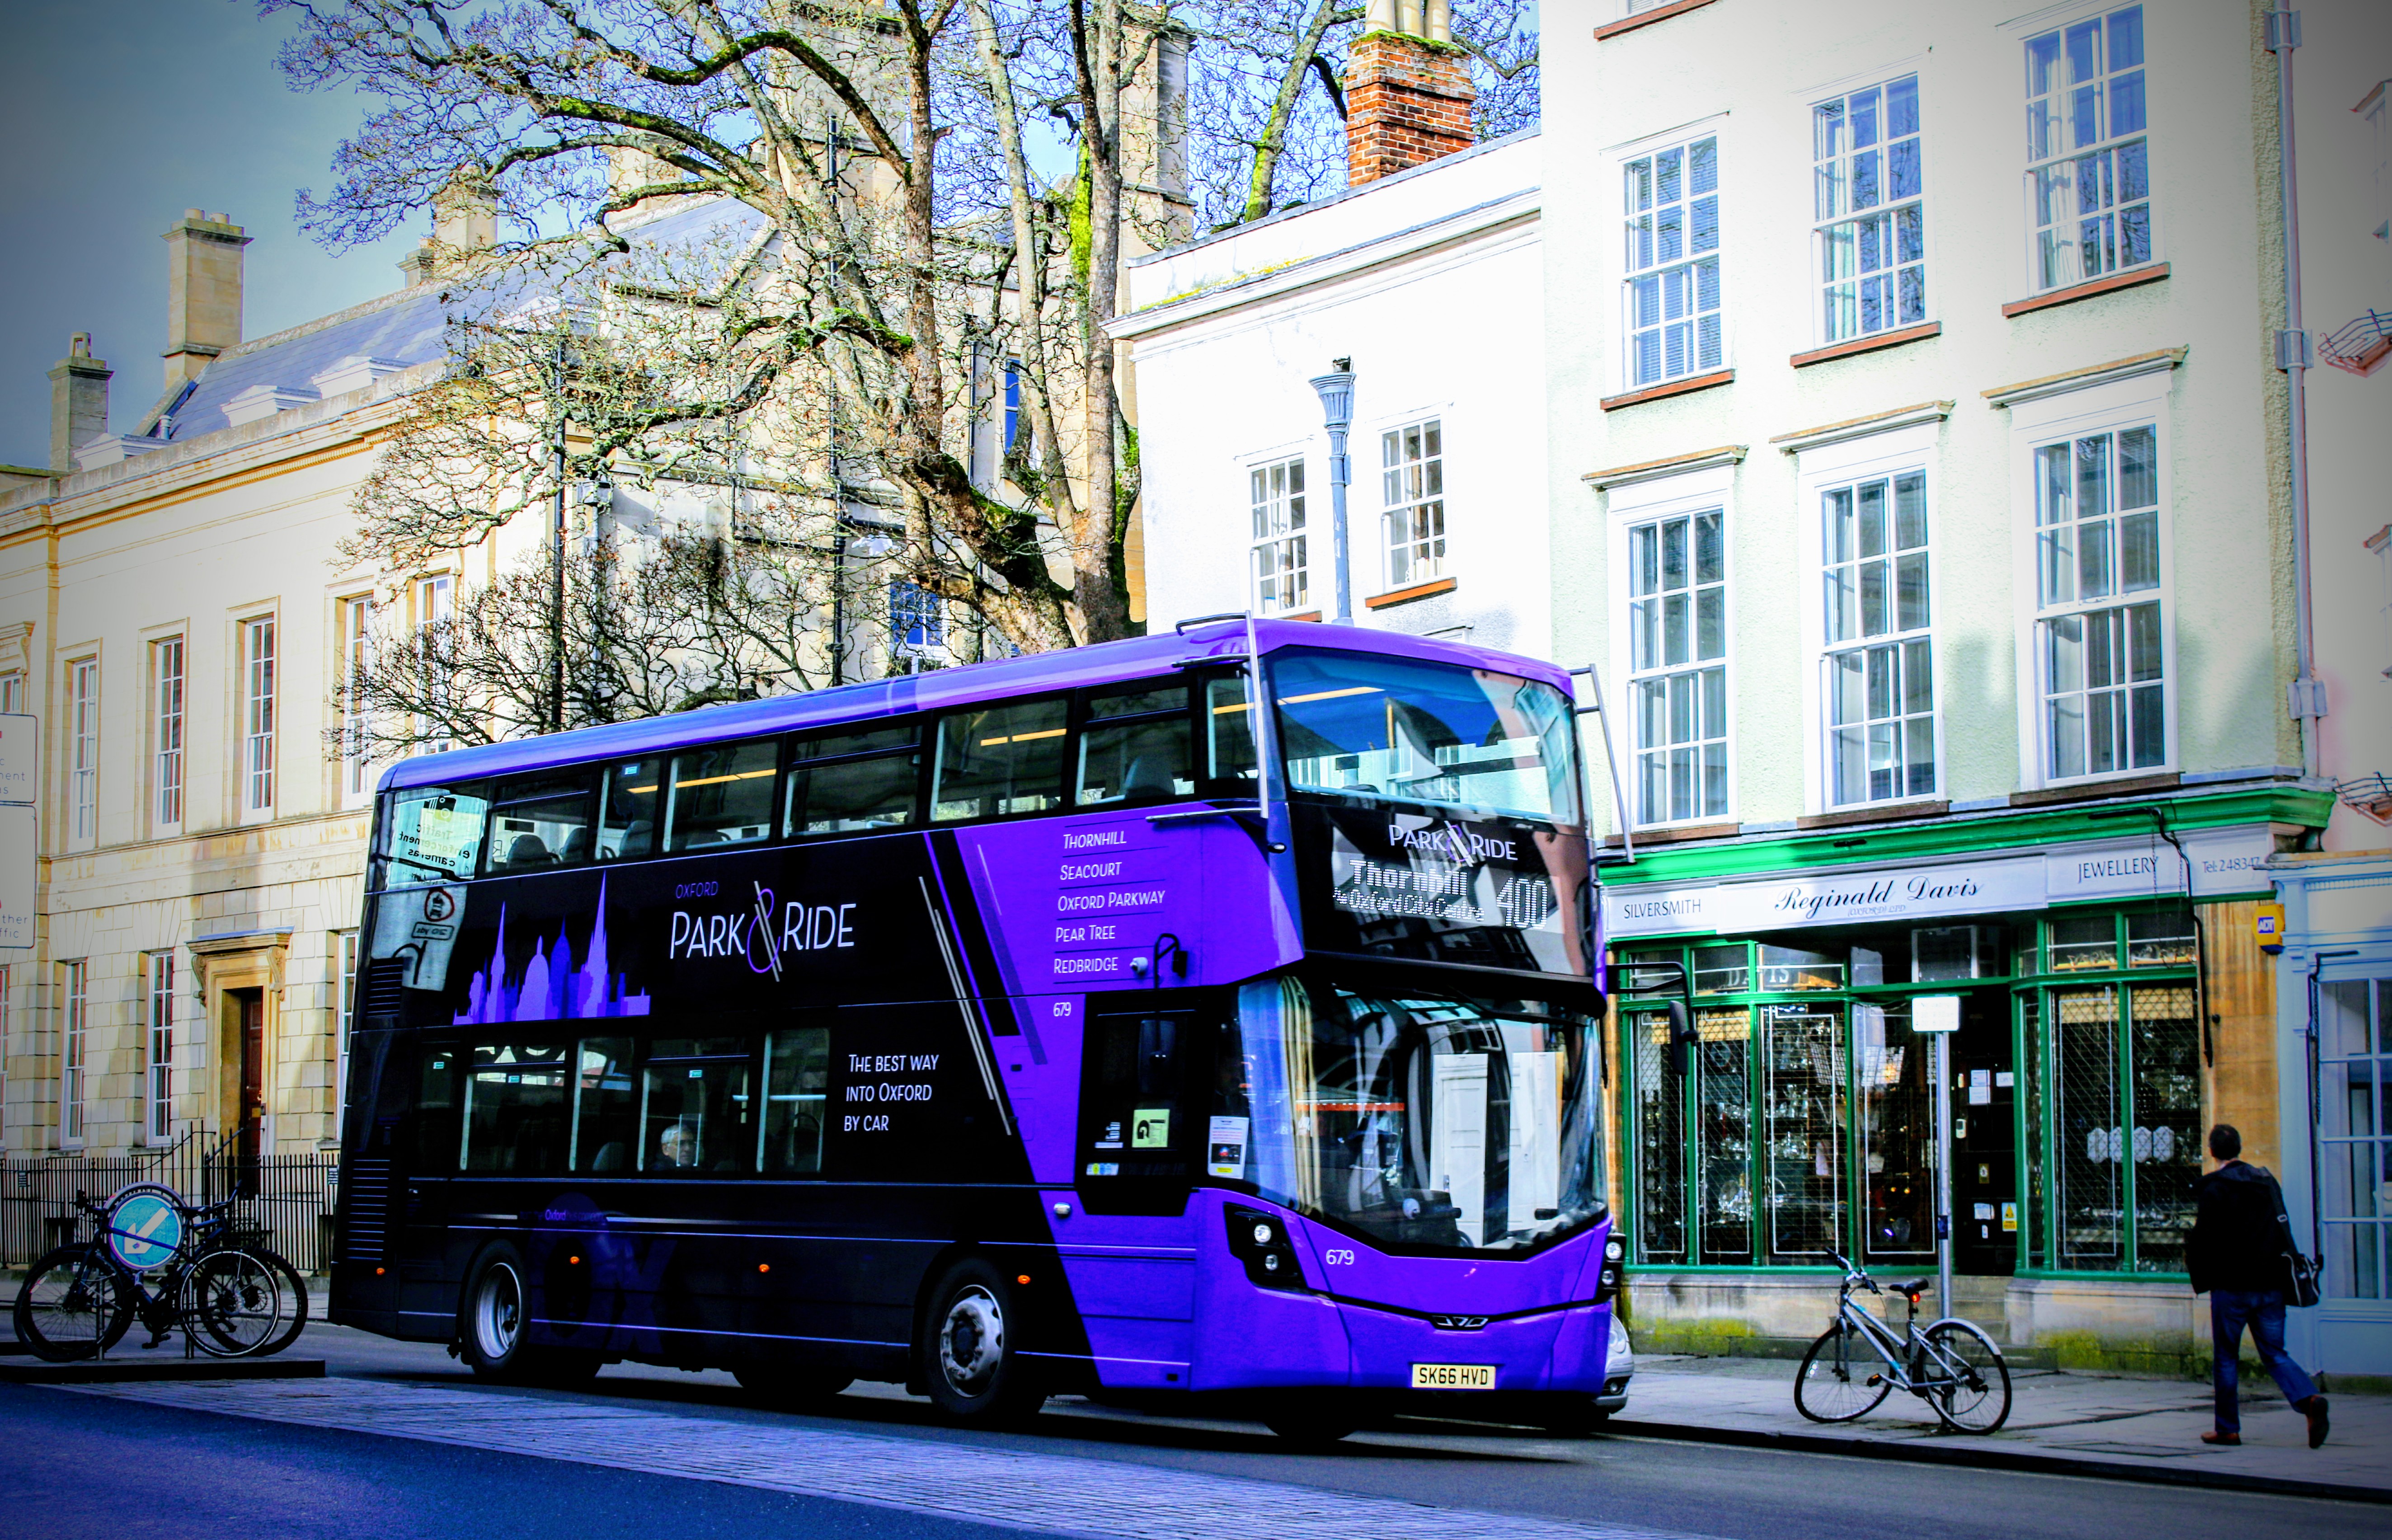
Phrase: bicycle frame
x=160 y=1312
x=1907 y=1356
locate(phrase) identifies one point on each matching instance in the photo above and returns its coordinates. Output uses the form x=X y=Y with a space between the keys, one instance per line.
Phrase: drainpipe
x=1337 y=391
x=2306 y=696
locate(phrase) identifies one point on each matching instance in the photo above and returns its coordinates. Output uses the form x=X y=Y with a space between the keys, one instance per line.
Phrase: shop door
x=1985 y=1138
x=252 y=1110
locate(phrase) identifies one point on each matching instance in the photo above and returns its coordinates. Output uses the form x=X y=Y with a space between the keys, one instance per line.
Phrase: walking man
x=2236 y=1255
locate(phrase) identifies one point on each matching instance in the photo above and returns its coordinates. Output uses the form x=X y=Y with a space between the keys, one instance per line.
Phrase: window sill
x=1646 y=18
x=1867 y=345
x=1675 y=387
x=2086 y=791
x=1885 y=812
x=1388 y=601
x=1676 y=833
x=2075 y=291
x=1313 y=616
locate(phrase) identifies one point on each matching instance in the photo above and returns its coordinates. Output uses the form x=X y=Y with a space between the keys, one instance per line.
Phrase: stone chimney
x=1408 y=91
x=465 y=220
x=78 y=403
x=204 y=262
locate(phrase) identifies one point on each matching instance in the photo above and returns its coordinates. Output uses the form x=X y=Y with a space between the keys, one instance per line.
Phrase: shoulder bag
x=2300 y=1269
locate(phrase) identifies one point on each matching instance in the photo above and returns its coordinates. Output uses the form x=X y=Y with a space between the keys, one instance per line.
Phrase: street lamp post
x=1336 y=392
x=556 y=565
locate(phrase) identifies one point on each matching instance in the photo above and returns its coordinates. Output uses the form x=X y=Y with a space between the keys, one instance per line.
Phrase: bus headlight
x=1263 y=1245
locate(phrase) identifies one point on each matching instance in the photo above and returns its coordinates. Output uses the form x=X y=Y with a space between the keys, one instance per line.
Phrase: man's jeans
x=2229 y=1311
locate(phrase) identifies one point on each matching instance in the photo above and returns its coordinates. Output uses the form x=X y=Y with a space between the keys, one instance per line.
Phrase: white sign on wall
x=15 y=876
x=1658 y=909
x=1896 y=894
x=19 y=756
x=2224 y=861
x=2229 y=860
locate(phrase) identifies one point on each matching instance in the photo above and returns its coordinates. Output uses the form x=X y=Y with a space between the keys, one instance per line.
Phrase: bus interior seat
x=635 y=840
x=528 y=850
x=1149 y=776
x=613 y=1156
x=576 y=848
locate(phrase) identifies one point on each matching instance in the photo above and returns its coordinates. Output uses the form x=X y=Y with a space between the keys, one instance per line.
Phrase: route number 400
x=1341 y=1258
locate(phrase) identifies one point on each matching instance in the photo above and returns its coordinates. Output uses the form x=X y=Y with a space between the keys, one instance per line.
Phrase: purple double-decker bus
x=1060 y=1025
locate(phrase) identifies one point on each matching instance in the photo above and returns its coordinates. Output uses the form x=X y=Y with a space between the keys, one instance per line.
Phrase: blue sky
x=118 y=116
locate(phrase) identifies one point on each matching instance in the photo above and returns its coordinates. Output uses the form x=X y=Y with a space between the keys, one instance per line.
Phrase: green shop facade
x=2114 y=1003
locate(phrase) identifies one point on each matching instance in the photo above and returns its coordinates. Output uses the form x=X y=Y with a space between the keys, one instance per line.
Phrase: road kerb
x=1978 y=1455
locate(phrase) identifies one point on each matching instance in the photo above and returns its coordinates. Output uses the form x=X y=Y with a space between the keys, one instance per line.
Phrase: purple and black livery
x=1063 y=1024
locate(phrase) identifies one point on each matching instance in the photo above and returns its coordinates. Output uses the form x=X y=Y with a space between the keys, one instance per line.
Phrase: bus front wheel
x=496 y=1318
x=970 y=1363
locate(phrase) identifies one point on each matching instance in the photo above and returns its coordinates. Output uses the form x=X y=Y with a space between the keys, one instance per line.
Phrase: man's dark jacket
x=2238 y=1232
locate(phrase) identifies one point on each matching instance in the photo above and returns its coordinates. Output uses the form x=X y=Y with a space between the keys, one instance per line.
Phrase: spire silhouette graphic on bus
x=551 y=988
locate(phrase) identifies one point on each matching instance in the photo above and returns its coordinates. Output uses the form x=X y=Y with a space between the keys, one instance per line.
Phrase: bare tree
x=885 y=242
x=1270 y=86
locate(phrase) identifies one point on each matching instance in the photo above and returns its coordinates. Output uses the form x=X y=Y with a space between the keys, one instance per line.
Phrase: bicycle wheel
x=232 y=1304
x=1837 y=1382
x=294 y=1301
x=1967 y=1381
x=72 y=1305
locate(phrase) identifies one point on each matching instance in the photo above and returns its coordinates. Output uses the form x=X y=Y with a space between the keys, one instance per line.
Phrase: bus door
x=428 y=1276
x=1147 y=1090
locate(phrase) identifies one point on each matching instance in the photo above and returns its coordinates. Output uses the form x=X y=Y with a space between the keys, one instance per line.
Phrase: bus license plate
x=1454 y=1377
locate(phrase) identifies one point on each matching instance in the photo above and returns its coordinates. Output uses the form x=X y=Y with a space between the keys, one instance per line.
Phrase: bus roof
x=1138 y=658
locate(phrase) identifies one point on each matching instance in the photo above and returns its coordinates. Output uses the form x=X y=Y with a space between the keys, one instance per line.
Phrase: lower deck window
x=695 y=1116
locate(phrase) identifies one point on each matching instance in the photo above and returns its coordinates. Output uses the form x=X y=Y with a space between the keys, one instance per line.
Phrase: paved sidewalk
x=2146 y=1428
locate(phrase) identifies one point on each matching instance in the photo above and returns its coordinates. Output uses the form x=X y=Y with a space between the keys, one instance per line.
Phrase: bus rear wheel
x=970 y=1364
x=495 y=1321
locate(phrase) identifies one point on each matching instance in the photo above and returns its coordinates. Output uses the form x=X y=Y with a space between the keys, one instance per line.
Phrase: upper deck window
x=432 y=834
x=1468 y=739
x=998 y=760
x=540 y=822
x=723 y=796
x=847 y=782
x=627 y=803
x=1133 y=746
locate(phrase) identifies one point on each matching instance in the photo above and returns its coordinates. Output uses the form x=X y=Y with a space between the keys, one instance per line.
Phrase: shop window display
x=1803 y=1119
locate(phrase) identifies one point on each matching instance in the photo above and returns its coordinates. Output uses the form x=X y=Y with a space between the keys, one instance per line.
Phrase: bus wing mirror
x=1681 y=1033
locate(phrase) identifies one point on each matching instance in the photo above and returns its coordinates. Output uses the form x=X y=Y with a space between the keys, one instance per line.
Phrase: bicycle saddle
x=1913 y=1289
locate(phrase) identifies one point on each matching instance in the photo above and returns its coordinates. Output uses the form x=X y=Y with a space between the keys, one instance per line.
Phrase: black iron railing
x=285 y=1198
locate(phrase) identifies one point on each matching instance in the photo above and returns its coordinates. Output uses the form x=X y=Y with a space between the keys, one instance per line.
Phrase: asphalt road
x=74 y=1465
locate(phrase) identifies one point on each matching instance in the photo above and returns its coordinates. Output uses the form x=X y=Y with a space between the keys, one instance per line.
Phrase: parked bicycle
x=1952 y=1366
x=158 y=1260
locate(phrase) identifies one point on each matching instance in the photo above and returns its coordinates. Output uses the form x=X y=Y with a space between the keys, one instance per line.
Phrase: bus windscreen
x=1470 y=741
x=1424 y=1122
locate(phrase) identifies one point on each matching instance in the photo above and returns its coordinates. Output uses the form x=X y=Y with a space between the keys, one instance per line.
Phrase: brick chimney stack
x=1408 y=91
x=204 y=262
x=78 y=403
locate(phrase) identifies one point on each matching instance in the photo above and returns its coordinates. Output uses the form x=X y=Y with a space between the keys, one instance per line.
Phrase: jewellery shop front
x=2114 y=1003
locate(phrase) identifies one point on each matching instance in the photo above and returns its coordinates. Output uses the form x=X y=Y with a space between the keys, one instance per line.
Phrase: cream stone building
x=176 y=615
x=172 y=615
x=1917 y=480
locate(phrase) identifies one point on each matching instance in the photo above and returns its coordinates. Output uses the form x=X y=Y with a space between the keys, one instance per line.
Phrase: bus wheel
x=494 y=1320
x=970 y=1365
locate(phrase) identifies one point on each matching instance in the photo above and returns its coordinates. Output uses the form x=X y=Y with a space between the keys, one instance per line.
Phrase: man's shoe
x=2315 y=1407
x=2221 y=1437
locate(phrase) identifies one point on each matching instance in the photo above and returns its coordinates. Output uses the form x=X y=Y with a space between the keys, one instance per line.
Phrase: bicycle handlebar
x=1854 y=1273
